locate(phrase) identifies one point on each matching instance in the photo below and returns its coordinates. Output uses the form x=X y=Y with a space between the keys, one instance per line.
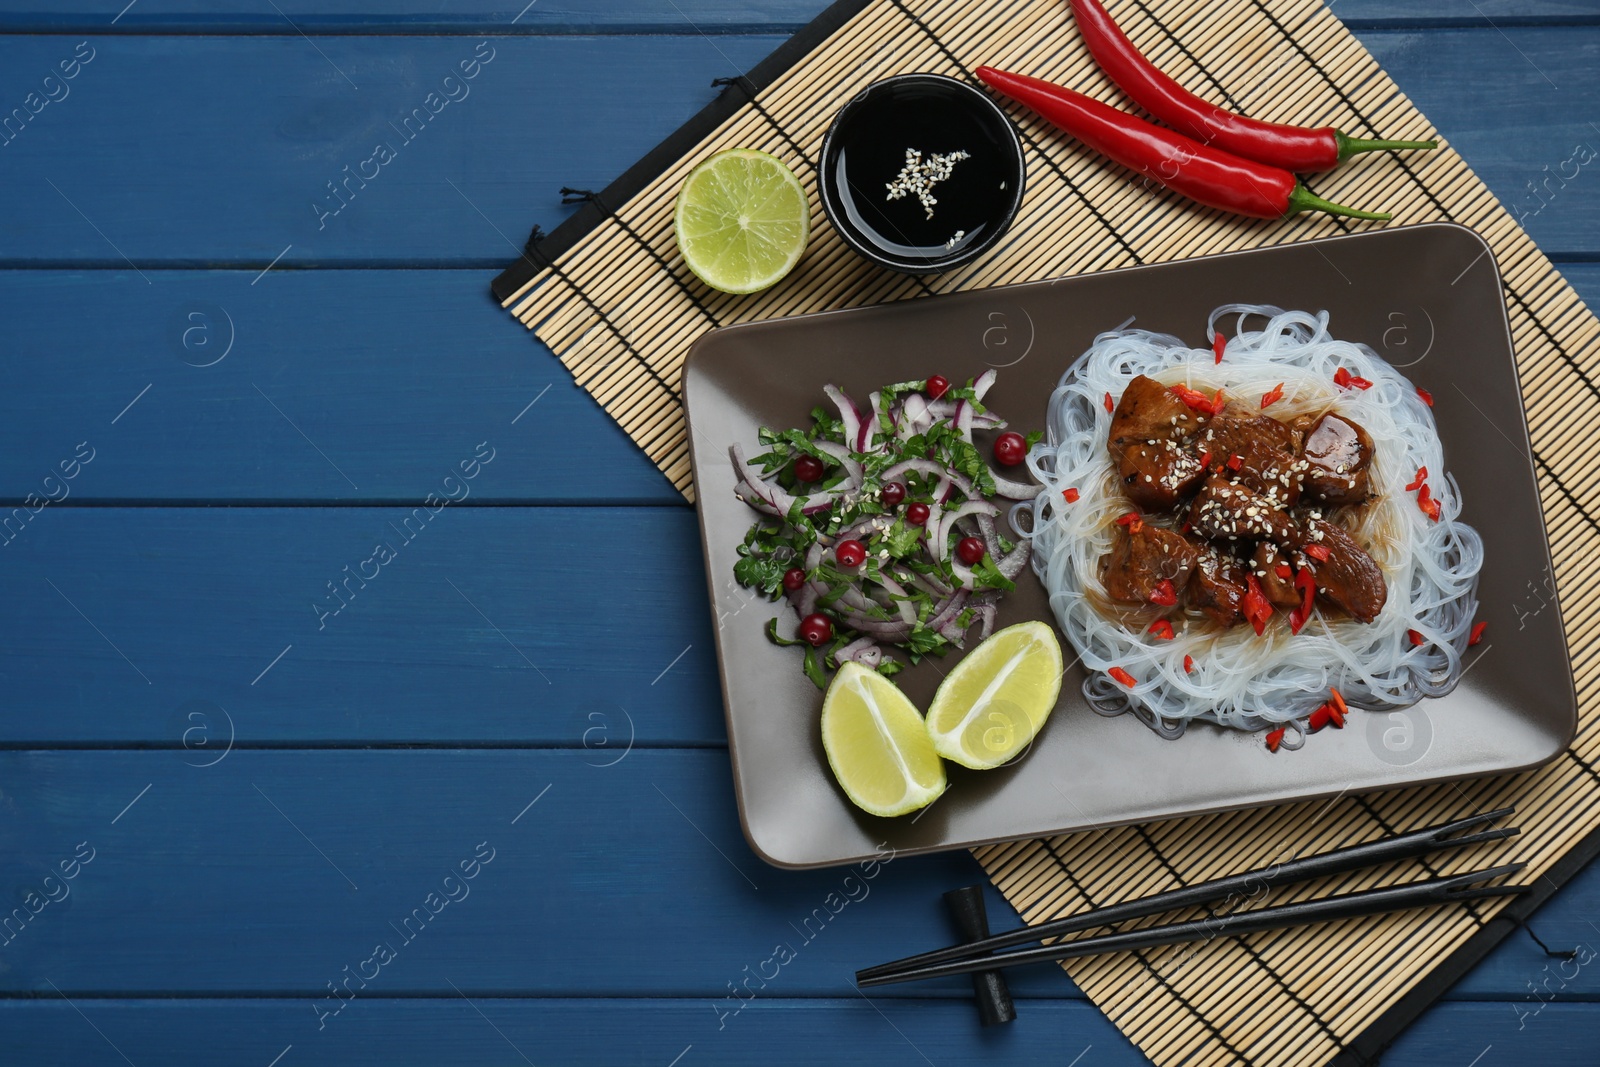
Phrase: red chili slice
x=1165 y=595
x=1336 y=717
x=1217 y=403
x=1477 y=633
x=1110 y=407
x=1256 y=607
x=1188 y=664
x=1318 y=552
x=1416 y=638
x=1417 y=482
x=1194 y=398
x=1218 y=343
x=1205 y=459
x=1307 y=585
x=1162 y=628
x=1429 y=506
x=1359 y=383
x=1272 y=396
x=1122 y=676
x=1128 y=519
x=1274 y=739
x=1284 y=571
x=1071 y=495
x=1427 y=397
x=1320 y=718
x=1235 y=462
x=1341 y=378
x=1338 y=702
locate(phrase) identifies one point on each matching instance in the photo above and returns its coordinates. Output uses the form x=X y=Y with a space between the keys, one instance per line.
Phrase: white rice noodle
x=1241 y=680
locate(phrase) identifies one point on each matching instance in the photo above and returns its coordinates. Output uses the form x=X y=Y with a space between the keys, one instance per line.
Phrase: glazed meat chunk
x=1217 y=587
x=1156 y=473
x=1348 y=578
x=1280 y=591
x=1149 y=412
x=1141 y=560
x=1263 y=449
x=1337 y=455
x=1224 y=511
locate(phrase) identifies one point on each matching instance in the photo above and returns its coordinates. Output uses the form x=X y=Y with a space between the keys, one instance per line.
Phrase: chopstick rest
x=972 y=920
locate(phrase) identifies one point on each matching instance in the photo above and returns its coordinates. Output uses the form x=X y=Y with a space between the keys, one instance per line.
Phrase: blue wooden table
x=358 y=697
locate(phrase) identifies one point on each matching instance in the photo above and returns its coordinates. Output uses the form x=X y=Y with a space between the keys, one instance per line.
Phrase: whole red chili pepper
x=1293 y=148
x=1202 y=173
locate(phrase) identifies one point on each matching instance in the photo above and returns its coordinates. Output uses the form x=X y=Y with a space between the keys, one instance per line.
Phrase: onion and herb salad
x=879 y=527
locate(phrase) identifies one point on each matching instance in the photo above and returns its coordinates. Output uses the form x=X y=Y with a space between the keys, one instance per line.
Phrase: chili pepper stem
x=1349 y=146
x=1303 y=199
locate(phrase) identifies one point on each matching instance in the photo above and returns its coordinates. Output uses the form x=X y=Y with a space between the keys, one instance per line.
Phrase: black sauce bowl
x=865 y=149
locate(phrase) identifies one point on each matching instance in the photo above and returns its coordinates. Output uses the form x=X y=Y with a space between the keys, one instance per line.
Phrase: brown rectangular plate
x=1427 y=298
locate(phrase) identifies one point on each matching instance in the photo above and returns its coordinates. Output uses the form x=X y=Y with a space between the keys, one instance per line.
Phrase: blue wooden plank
x=271 y=872
x=650 y=1033
x=624 y=880
x=409 y=16
x=623 y=16
x=333 y=386
x=237 y=174
x=443 y=168
x=615 y=1033
x=479 y=625
x=1520 y=107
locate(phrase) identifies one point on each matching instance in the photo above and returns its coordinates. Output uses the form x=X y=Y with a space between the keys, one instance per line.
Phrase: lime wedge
x=742 y=220
x=877 y=745
x=993 y=704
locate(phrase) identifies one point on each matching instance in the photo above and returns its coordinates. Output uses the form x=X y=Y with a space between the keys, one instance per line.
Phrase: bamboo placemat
x=608 y=293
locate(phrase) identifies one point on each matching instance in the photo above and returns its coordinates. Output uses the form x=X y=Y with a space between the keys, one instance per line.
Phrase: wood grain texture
x=490 y=625
x=268 y=872
x=233 y=177
x=650 y=1033
x=619 y=16
x=267 y=392
x=206 y=153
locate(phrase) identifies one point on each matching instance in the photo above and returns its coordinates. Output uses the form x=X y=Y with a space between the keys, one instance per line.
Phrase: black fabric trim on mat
x=1364 y=1048
x=669 y=151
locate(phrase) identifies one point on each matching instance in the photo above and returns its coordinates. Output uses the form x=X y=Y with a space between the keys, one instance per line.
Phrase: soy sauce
x=928 y=117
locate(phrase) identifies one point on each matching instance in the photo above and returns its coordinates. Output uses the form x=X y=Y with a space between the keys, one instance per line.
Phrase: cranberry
x=816 y=629
x=1010 y=449
x=936 y=386
x=793 y=579
x=892 y=493
x=808 y=468
x=970 y=549
x=917 y=514
x=850 y=553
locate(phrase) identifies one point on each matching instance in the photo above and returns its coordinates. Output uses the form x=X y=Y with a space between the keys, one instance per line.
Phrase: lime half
x=877 y=745
x=992 y=705
x=742 y=220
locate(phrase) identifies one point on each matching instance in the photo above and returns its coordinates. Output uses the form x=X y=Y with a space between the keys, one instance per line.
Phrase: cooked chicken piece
x=1337 y=454
x=1257 y=452
x=1149 y=411
x=1139 y=561
x=1217 y=587
x=1156 y=473
x=1278 y=589
x=1224 y=511
x=1348 y=578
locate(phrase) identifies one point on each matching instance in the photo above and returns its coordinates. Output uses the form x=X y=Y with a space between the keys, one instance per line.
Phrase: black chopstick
x=1327 y=909
x=1338 y=861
